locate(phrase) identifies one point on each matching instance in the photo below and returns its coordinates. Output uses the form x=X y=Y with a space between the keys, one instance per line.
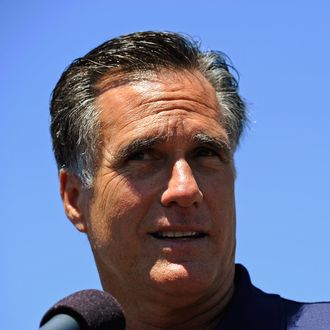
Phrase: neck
x=177 y=313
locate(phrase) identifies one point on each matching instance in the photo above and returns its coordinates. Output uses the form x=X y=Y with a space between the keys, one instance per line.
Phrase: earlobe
x=72 y=194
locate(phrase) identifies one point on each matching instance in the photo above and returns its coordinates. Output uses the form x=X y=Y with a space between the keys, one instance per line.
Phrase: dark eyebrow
x=216 y=143
x=137 y=146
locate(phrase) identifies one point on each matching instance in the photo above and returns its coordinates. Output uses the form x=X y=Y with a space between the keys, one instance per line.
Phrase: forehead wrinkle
x=158 y=90
x=170 y=127
x=189 y=102
x=168 y=104
x=148 y=95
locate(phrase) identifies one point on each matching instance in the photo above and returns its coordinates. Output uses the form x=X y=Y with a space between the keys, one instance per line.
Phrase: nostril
x=182 y=196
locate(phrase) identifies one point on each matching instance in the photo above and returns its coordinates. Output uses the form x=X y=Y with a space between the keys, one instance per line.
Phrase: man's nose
x=182 y=188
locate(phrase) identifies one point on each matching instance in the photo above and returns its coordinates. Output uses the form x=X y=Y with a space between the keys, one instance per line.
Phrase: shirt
x=252 y=309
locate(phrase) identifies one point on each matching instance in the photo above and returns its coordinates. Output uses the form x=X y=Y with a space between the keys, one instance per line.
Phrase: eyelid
x=219 y=151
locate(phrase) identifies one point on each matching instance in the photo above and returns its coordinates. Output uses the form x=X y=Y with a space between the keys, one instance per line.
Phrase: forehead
x=168 y=103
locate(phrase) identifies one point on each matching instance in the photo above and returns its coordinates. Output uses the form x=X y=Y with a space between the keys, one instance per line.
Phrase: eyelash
x=210 y=152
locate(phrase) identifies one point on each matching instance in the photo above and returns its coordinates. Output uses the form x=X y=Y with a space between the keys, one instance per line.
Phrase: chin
x=183 y=278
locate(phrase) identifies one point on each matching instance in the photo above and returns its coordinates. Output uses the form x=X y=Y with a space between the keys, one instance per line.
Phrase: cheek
x=219 y=193
x=220 y=199
x=117 y=210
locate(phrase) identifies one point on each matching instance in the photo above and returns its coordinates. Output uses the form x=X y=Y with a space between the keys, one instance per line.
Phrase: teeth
x=177 y=234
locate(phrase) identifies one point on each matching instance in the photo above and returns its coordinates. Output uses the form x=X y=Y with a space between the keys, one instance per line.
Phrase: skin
x=166 y=166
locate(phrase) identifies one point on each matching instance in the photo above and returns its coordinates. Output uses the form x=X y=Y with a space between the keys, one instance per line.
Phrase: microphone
x=85 y=310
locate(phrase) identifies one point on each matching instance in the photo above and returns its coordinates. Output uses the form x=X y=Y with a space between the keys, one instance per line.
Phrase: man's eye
x=140 y=155
x=206 y=152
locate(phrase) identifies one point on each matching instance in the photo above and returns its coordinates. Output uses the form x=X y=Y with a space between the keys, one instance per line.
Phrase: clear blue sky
x=282 y=51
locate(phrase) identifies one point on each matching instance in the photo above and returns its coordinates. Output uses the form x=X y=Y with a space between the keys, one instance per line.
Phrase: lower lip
x=187 y=242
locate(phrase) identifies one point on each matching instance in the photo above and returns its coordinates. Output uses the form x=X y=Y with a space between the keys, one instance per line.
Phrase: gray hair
x=75 y=123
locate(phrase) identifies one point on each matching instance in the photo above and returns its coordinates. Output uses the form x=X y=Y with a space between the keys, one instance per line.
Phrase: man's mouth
x=177 y=234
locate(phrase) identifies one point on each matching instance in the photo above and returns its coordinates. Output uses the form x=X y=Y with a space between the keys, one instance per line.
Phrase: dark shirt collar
x=250 y=308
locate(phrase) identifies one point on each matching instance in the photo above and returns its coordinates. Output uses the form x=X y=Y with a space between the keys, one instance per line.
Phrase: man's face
x=162 y=215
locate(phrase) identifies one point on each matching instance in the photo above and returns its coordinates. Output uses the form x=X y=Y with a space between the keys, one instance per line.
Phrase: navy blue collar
x=250 y=308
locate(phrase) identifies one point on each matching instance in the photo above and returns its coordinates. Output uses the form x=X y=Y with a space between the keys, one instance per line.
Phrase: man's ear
x=73 y=197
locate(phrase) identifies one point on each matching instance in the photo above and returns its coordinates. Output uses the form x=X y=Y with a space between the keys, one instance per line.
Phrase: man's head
x=75 y=125
x=149 y=124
